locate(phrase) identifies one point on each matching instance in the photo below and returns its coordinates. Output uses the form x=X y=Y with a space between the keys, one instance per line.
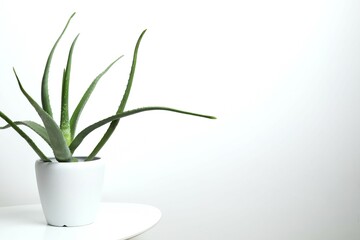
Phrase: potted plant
x=70 y=186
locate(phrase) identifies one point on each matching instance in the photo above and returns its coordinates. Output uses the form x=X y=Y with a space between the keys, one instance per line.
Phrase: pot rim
x=81 y=158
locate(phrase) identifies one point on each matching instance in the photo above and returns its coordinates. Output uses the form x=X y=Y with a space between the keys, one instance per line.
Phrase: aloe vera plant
x=62 y=137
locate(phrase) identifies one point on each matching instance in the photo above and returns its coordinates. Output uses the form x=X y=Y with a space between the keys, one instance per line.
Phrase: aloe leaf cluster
x=62 y=137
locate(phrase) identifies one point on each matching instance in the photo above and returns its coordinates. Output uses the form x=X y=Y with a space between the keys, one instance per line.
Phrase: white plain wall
x=283 y=78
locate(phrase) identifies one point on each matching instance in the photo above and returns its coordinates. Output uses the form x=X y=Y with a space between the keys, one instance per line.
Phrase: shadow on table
x=24 y=216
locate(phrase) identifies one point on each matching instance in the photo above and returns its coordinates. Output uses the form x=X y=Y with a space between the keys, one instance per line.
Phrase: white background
x=283 y=78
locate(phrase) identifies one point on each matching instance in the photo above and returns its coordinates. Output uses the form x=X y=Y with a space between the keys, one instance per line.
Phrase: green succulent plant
x=62 y=138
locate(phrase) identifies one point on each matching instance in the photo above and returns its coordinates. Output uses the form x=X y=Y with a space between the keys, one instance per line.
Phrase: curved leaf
x=76 y=114
x=131 y=75
x=40 y=130
x=124 y=99
x=64 y=121
x=80 y=137
x=58 y=144
x=25 y=136
x=44 y=85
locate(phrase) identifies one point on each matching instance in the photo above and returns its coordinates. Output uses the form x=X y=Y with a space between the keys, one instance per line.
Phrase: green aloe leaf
x=25 y=136
x=64 y=121
x=37 y=128
x=44 y=85
x=131 y=75
x=77 y=112
x=124 y=99
x=80 y=137
x=58 y=143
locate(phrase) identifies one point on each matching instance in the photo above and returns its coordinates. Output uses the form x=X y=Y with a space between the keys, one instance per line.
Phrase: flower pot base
x=70 y=192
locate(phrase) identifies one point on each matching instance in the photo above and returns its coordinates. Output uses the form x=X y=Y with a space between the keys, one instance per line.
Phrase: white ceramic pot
x=70 y=192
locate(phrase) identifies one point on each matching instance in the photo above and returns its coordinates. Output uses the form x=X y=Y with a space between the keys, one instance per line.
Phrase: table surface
x=115 y=221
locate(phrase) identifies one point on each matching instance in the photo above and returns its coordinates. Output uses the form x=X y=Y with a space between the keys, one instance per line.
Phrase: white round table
x=115 y=221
